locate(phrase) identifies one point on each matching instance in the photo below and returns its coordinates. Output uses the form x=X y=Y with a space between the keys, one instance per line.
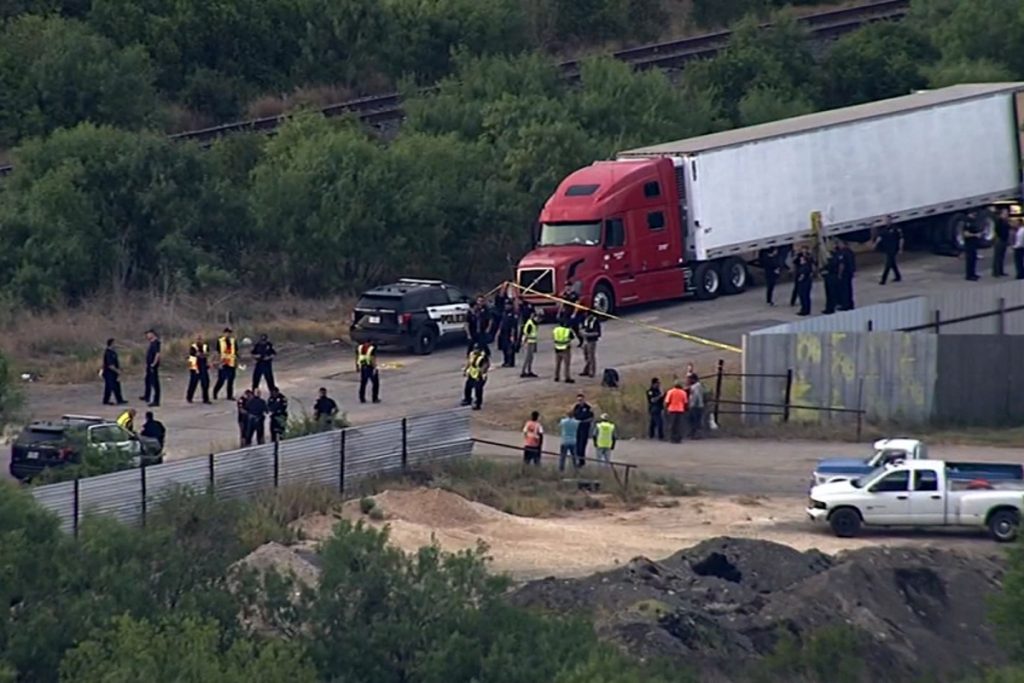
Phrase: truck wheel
x=1003 y=525
x=845 y=522
x=707 y=283
x=734 y=275
x=604 y=299
x=426 y=341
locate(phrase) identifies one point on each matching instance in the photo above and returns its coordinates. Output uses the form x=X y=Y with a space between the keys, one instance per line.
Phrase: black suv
x=415 y=314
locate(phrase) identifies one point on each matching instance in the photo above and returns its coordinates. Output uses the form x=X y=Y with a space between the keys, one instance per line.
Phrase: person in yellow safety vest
x=477 y=365
x=227 y=349
x=366 y=365
x=563 y=337
x=604 y=439
x=529 y=338
x=126 y=420
x=198 y=369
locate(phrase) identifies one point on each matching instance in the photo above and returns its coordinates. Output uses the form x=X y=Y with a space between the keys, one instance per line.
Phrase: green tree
x=761 y=105
x=181 y=649
x=775 y=58
x=967 y=71
x=95 y=208
x=990 y=30
x=1007 y=609
x=10 y=395
x=878 y=61
x=57 y=73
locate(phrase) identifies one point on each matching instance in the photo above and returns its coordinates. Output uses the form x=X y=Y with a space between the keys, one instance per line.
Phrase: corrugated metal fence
x=974 y=309
x=338 y=458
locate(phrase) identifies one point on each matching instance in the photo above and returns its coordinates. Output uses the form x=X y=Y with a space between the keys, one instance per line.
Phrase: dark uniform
x=830 y=274
x=198 y=370
x=277 y=405
x=656 y=410
x=972 y=240
x=847 y=269
x=590 y=334
x=804 y=283
x=508 y=337
x=999 y=246
x=243 y=417
x=263 y=351
x=366 y=364
x=111 y=377
x=256 y=411
x=889 y=242
x=151 y=393
x=770 y=263
x=478 y=327
x=585 y=414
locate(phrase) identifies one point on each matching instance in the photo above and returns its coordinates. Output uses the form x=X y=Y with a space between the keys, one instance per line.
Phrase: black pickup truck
x=45 y=444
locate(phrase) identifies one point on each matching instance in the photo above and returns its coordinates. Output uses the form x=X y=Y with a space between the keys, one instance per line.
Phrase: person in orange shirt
x=533 y=439
x=675 y=402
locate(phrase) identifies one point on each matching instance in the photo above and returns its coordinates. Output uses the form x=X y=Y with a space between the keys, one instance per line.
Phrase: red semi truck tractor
x=690 y=217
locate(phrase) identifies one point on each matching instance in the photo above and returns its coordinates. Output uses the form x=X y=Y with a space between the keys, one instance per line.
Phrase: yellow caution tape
x=704 y=341
x=391 y=365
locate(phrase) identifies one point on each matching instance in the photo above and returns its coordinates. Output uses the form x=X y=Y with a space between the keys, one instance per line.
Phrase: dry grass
x=179 y=119
x=535 y=492
x=66 y=346
x=308 y=97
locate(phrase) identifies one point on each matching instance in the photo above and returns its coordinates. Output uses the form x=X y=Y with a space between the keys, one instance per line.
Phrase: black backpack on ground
x=610 y=378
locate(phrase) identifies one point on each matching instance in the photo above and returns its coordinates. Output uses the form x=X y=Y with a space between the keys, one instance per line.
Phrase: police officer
x=590 y=331
x=227 y=349
x=847 y=269
x=972 y=240
x=198 y=369
x=277 y=406
x=563 y=337
x=263 y=352
x=366 y=365
x=770 y=263
x=243 y=417
x=478 y=325
x=804 y=254
x=890 y=242
x=508 y=335
x=830 y=274
x=529 y=336
x=151 y=391
x=804 y=283
x=111 y=376
x=475 y=371
x=256 y=412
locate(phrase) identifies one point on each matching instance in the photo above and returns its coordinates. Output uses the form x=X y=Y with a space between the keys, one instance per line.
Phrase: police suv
x=415 y=314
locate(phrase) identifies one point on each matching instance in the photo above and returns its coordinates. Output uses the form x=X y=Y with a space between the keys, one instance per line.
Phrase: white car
x=917 y=493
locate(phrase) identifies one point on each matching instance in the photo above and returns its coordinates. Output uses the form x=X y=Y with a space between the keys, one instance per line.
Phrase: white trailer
x=925 y=157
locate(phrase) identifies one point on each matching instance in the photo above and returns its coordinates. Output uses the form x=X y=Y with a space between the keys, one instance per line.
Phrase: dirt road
x=417 y=384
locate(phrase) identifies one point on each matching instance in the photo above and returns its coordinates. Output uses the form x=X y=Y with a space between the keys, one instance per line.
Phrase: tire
x=952 y=236
x=1003 y=525
x=707 y=282
x=604 y=299
x=426 y=340
x=845 y=522
x=735 y=277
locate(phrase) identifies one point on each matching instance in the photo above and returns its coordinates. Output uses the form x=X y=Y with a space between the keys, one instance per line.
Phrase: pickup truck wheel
x=845 y=522
x=426 y=340
x=707 y=282
x=1003 y=525
x=734 y=275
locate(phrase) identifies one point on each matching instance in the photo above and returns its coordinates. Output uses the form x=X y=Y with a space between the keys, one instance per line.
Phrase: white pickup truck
x=917 y=493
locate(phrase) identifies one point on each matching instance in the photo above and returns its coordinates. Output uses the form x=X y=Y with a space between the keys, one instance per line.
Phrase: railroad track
x=377 y=110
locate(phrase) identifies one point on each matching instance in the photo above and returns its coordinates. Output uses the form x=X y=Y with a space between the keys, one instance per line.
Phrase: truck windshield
x=558 y=234
x=861 y=482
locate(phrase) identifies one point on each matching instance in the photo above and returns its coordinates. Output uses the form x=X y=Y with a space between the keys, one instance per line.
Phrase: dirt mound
x=435 y=508
x=302 y=562
x=725 y=602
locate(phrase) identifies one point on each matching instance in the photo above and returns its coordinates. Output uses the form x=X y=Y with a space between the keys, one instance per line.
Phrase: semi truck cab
x=613 y=229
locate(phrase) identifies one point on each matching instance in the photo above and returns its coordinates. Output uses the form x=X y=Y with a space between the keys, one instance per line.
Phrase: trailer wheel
x=845 y=522
x=707 y=283
x=1003 y=525
x=734 y=275
x=604 y=299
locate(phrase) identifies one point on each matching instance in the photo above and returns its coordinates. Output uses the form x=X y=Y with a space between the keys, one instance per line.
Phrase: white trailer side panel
x=762 y=192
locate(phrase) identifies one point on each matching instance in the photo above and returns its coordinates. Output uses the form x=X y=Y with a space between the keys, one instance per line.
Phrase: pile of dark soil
x=722 y=605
